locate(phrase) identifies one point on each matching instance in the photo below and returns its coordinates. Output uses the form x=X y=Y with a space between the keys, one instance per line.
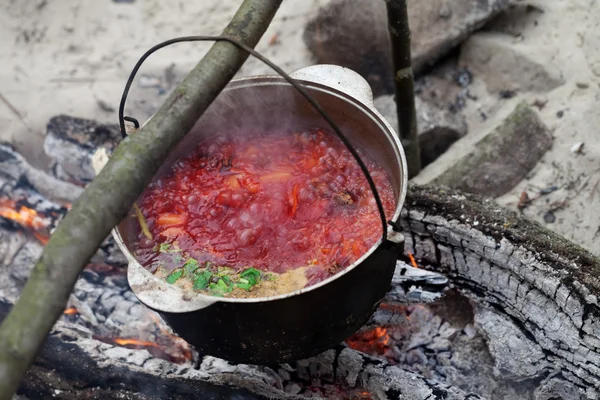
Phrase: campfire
x=424 y=335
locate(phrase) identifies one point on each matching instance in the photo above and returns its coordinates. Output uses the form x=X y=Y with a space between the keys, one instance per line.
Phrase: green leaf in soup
x=174 y=276
x=223 y=285
x=252 y=275
x=244 y=284
x=191 y=266
x=202 y=280
x=164 y=247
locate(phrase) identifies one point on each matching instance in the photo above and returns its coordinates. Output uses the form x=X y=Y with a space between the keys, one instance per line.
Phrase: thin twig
x=16 y=112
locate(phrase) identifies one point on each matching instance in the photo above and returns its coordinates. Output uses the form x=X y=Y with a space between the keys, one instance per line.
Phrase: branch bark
x=404 y=83
x=108 y=198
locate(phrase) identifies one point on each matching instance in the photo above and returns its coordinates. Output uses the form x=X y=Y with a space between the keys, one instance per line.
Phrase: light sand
x=566 y=38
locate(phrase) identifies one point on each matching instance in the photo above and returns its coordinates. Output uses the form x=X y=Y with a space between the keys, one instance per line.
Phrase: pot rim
x=143 y=278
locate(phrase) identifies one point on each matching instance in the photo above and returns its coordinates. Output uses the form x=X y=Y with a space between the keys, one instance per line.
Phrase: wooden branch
x=108 y=198
x=541 y=287
x=404 y=83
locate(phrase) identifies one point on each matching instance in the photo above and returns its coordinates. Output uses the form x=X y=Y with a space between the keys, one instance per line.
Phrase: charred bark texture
x=537 y=286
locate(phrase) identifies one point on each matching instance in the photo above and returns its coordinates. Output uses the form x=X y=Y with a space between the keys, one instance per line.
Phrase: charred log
x=532 y=286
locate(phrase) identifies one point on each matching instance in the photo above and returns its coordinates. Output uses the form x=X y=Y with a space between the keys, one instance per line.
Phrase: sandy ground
x=73 y=57
x=564 y=36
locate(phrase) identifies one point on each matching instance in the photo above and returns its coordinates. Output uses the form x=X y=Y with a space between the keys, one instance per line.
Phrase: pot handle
x=340 y=78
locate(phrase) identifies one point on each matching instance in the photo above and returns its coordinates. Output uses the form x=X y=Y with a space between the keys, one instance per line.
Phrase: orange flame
x=376 y=340
x=42 y=238
x=134 y=342
x=412 y=261
x=24 y=216
x=70 y=311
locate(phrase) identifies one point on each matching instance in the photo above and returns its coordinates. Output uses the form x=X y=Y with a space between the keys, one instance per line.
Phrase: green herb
x=202 y=279
x=248 y=278
x=223 y=285
x=190 y=266
x=173 y=276
x=164 y=247
x=252 y=275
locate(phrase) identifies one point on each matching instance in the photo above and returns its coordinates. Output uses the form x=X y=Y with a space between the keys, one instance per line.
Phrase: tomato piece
x=172 y=233
x=251 y=184
x=170 y=219
x=230 y=198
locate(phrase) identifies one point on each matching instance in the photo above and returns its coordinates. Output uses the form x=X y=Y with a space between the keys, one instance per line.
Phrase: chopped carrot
x=357 y=249
x=294 y=200
x=170 y=219
x=325 y=250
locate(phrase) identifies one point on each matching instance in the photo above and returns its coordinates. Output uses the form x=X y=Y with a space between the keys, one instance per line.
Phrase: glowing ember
x=70 y=311
x=135 y=343
x=26 y=217
x=412 y=261
x=374 y=341
x=42 y=238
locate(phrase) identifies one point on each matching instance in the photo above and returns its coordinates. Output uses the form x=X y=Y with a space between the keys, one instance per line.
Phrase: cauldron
x=306 y=322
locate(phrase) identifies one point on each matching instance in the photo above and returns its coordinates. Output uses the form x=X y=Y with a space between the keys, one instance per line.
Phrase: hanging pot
x=306 y=322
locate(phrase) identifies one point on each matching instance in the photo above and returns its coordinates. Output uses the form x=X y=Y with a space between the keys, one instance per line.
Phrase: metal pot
x=305 y=322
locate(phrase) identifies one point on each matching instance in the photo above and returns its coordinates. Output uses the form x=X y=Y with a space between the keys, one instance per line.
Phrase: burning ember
x=166 y=345
x=375 y=341
x=134 y=343
x=24 y=216
x=412 y=261
x=70 y=311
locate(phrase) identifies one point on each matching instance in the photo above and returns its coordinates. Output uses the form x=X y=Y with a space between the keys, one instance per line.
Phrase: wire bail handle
x=288 y=78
